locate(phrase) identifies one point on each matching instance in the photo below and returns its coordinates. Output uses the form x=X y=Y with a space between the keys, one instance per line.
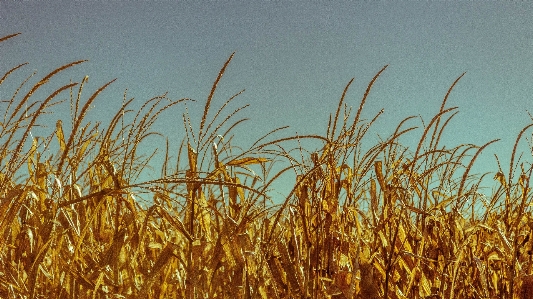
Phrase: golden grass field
x=384 y=222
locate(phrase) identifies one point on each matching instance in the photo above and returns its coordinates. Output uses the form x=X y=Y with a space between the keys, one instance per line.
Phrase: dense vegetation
x=382 y=222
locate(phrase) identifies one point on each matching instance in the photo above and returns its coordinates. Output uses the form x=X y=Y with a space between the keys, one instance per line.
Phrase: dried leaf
x=60 y=136
x=247 y=161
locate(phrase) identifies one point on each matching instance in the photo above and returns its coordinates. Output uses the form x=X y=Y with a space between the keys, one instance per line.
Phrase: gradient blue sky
x=294 y=59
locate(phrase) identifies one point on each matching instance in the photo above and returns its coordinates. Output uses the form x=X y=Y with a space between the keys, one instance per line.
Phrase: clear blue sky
x=294 y=59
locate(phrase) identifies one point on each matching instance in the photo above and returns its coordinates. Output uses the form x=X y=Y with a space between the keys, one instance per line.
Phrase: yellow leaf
x=155 y=245
x=60 y=136
x=230 y=257
x=33 y=159
x=425 y=286
x=240 y=191
x=247 y=161
x=501 y=178
x=192 y=155
x=86 y=143
x=495 y=280
x=325 y=206
x=99 y=282
x=379 y=174
x=205 y=217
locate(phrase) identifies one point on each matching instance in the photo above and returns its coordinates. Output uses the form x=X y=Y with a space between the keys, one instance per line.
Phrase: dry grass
x=387 y=222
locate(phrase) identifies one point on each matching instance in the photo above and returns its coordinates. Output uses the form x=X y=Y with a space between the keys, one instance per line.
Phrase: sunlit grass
x=384 y=221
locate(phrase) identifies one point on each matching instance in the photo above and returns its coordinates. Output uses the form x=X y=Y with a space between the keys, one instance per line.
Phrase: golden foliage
x=392 y=224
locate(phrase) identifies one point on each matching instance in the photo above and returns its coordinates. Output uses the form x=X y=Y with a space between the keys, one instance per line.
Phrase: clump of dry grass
x=386 y=222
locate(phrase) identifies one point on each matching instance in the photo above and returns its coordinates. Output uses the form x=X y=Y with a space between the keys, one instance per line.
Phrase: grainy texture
x=361 y=222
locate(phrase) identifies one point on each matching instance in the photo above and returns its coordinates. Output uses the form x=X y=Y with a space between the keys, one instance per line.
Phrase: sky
x=294 y=58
